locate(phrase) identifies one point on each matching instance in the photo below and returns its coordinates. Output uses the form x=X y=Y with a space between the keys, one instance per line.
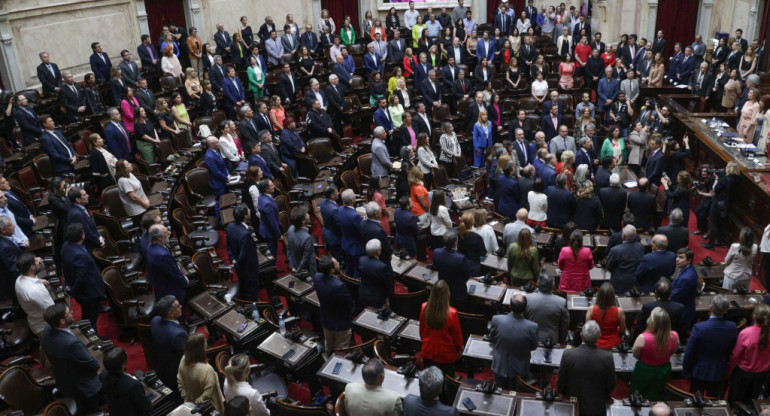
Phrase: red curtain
x=677 y=20
x=163 y=12
x=492 y=5
x=338 y=9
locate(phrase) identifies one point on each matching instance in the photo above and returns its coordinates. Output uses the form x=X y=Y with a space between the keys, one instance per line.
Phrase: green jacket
x=607 y=150
x=344 y=36
x=526 y=268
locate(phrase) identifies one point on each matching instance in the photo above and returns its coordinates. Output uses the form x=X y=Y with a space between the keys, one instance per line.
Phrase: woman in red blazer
x=442 y=339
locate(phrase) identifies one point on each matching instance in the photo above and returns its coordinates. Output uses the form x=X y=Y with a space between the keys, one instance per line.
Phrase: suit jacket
x=416 y=406
x=361 y=399
x=547 y=173
x=720 y=55
x=709 y=349
x=684 y=289
x=216 y=76
x=622 y=262
x=653 y=266
x=431 y=92
x=274 y=50
x=627 y=56
x=523 y=155
x=686 y=68
x=588 y=373
x=29 y=124
x=508 y=196
x=269 y=228
x=262 y=122
x=332 y=235
x=561 y=206
x=602 y=179
x=550 y=313
x=678 y=236
x=584 y=158
x=74 y=368
x=546 y=125
x=448 y=80
x=264 y=31
x=630 y=89
x=233 y=94
x=485 y=49
x=243 y=252
x=512 y=340
x=576 y=31
x=343 y=74
x=288 y=91
x=273 y=159
x=659 y=46
x=675 y=312
x=310 y=96
x=614 y=205
x=420 y=74
x=336 y=303
x=50 y=81
x=145 y=58
x=547 y=110
x=372 y=64
x=734 y=59
x=350 y=225
x=643 y=206
x=223 y=41
x=125 y=395
x=116 y=141
x=376 y=282
x=336 y=100
x=20 y=211
x=396 y=50
x=452 y=268
x=146 y=100
x=478 y=74
x=319 y=123
x=705 y=86
x=299 y=250
x=78 y=214
x=527 y=53
x=168 y=338
x=129 y=72
x=310 y=41
x=287 y=46
x=406 y=229
x=372 y=230
x=217 y=171
x=71 y=101
x=247 y=130
x=498 y=23
x=100 y=67
x=9 y=252
x=164 y=274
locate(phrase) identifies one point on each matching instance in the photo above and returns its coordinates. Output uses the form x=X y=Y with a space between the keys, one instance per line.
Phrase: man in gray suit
x=381 y=164
x=588 y=373
x=129 y=71
x=513 y=337
x=630 y=87
x=370 y=398
x=512 y=229
x=299 y=250
x=289 y=40
x=548 y=311
x=624 y=259
x=428 y=404
x=563 y=141
x=396 y=48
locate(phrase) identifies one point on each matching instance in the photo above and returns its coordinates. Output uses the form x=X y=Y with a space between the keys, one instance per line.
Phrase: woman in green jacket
x=256 y=78
x=347 y=33
x=614 y=146
x=523 y=259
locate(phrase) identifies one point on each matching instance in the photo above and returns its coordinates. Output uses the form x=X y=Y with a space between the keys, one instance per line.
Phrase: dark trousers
x=717 y=219
x=702 y=215
x=506 y=383
x=91 y=309
x=450 y=168
x=745 y=386
x=708 y=388
x=87 y=405
x=766 y=268
x=272 y=245
x=447 y=369
x=351 y=264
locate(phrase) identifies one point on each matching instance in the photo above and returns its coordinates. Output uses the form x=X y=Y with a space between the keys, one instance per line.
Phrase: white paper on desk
x=630 y=184
x=493 y=223
x=396 y=165
x=234 y=179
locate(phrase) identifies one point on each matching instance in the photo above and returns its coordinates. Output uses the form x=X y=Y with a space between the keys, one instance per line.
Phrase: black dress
x=513 y=75
x=248 y=35
x=473 y=248
x=306 y=63
x=100 y=171
x=169 y=119
x=679 y=198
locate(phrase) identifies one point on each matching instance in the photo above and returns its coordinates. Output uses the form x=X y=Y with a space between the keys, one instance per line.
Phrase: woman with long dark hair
x=679 y=194
x=440 y=222
x=131 y=193
x=442 y=339
x=523 y=259
x=611 y=318
x=146 y=135
x=102 y=162
x=426 y=158
x=575 y=262
x=470 y=244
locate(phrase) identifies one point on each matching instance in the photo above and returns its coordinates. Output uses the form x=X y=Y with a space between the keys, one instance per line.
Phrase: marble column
x=751 y=31
x=9 y=67
x=316 y=14
x=192 y=14
x=141 y=15
x=652 y=18
x=704 y=20
x=480 y=11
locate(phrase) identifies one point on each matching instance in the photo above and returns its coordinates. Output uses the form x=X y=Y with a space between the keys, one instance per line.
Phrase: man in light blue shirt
x=410 y=16
x=18 y=236
x=468 y=22
x=434 y=27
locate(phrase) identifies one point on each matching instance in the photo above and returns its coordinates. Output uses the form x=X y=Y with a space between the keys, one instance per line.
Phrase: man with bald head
x=218 y=173
x=623 y=260
x=656 y=264
x=512 y=229
x=660 y=409
x=161 y=269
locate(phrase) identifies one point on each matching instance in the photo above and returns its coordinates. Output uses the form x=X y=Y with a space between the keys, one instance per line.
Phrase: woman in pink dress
x=566 y=70
x=575 y=261
x=749 y=114
x=130 y=104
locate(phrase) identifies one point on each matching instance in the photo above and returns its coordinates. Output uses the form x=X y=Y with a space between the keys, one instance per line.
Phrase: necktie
x=75 y=90
x=251 y=122
x=700 y=80
x=267 y=120
x=502 y=19
x=69 y=152
x=463 y=84
x=128 y=142
x=50 y=68
x=149 y=49
x=220 y=70
x=523 y=151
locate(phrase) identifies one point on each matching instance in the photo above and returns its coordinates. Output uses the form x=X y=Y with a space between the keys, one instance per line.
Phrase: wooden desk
x=486 y=404
x=369 y=322
x=496 y=263
x=293 y=286
x=720 y=408
x=485 y=293
x=619 y=409
x=533 y=406
x=401 y=266
x=208 y=306
x=422 y=275
x=276 y=346
x=350 y=372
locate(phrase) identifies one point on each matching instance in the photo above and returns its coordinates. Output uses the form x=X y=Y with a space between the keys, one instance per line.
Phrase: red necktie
x=463 y=84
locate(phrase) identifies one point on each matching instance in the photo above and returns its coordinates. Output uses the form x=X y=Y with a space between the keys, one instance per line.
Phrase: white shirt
x=18 y=237
x=441 y=223
x=254 y=192
x=228 y=148
x=131 y=184
x=34 y=299
x=488 y=236
x=538 y=206
x=764 y=245
x=244 y=389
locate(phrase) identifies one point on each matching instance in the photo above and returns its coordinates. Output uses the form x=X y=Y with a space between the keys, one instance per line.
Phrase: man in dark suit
x=247 y=128
x=643 y=205
x=623 y=260
x=520 y=146
x=602 y=178
x=428 y=404
x=372 y=61
x=628 y=52
x=148 y=54
x=27 y=120
x=526 y=183
x=382 y=116
x=527 y=54
x=350 y=227
x=75 y=369
x=269 y=228
x=217 y=75
x=376 y=277
x=335 y=304
x=584 y=24
x=287 y=84
x=685 y=68
x=513 y=337
x=504 y=23
x=547 y=171
x=319 y=121
x=678 y=235
x=335 y=93
x=561 y=203
x=315 y=93
x=685 y=285
x=709 y=348
x=243 y=254
x=48 y=74
x=597 y=43
x=396 y=48
x=371 y=229
x=332 y=235
x=421 y=72
x=421 y=120
x=310 y=40
x=79 y=214
x=266 y=28
x=739 y=39
x=160 y=267
x=655 y=264
x=701 y=81
x=449 y=75
x=587 y=372
x=222 y=39
x=255 y=159
x=300 y=253
x=24 y=219
x=345 y=79
x=550 y=122
x=659 y=44
x=218 y=173
x=531 y=12
x=235 y=95
x=431 y=92
x=452 y=268
x=123 y=393
x=168 y=338
x=271 y=154
x=261 y=118
x=129 y=71
x=117 y=137
x=662 y=299
x=71 y=98
x=553 y=99
x=81 y=273
x=583 y=155
x=735 y=56
x=472 y=113
x=100 y=63
x=406 y=227
x=145 y=97
x=9 y=252
x=613 y=200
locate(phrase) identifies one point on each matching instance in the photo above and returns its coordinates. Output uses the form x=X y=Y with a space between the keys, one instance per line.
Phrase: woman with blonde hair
x=470 y=244
x=426 y=158
x=588 y=208
x=442 y=339
x=170 y=63
x=396 y=111
x=749 y=114
x=393 y=81
x=653 y=349
x=748 y=63
x=611 y=318
x=197 y=379
x=420 y=200
x=277 y=113
x=117 y=86
x=523 y=259
x=237 y=384
x=567 y=166
x=102 y=162
x=485 y=230
x=192 y=84
x=326 y=21
x=483 y=137
x=166 y=119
